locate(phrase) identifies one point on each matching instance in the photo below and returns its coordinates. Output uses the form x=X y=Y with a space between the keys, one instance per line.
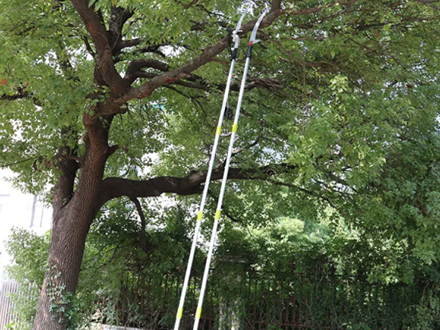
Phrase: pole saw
x=236 y=41
x=252 y=41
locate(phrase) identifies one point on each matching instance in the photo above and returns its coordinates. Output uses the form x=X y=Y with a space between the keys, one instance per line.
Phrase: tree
x=91 y=90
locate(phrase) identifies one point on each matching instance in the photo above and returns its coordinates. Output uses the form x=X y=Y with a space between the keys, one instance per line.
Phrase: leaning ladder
x=236 y=41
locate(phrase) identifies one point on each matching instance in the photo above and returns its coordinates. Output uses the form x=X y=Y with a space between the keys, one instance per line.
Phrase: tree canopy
x=105 y=99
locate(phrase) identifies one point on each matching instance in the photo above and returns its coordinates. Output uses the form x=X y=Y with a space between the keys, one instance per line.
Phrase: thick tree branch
x=198 y=83
x=103 y=58
x=188 y=185
x=63 y=190
x=129 y=43
x=134 y=68
x=118 y=17
x=207 y=55
x=149 y=75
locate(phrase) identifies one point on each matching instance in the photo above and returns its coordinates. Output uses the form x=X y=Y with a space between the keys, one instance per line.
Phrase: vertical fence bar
x=274 y=309
x=294 y=304
x=300 y=301
x=309 y=292
x=147 y=303
x=280 y=304
x=165 y=292
x=267 y=304
x=254 y=301
x=383 y=308
x=288 y=297
x=247 y=307
x=260 y=299
x=211 y=308
x=7 y=314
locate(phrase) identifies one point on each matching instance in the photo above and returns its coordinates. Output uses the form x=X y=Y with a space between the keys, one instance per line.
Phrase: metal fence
x=6 y=306
x=251 y=302
x=8 y=315
x=291 y=303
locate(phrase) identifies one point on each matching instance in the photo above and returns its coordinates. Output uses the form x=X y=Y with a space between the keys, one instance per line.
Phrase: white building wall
x=22 y=211
x=19 y=210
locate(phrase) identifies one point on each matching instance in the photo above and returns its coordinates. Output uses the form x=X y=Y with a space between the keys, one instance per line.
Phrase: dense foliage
x=331 y=266
x=103 y=100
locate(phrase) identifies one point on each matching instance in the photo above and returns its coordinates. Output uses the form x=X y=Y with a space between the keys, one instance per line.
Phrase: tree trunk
x=65 y=256
x=69 y=232
x=70 y=226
